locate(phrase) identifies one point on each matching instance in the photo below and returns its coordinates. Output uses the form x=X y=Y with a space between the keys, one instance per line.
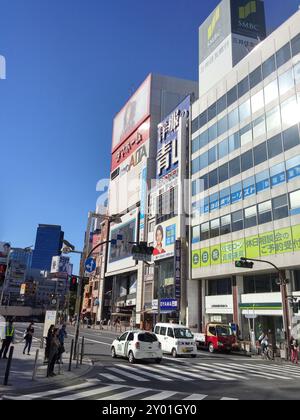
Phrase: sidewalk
x=22 y=367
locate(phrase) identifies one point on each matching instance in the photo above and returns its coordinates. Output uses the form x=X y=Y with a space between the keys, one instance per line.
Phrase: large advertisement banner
x=4 y=251
x=133 y=114
x=165 y=236
x=276 y=242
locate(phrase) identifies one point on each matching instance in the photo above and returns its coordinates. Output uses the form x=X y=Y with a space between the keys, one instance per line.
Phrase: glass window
x=293 y=168
x=221 y=104
x=273 y=119
x=212 y=155
x=296 y=45
x=268 y=67
x=243 y=87
x=259 y=127
x=286 y=82
x=263 y=284
x=265 y=212
x=234 y=142
x=225 y=225
x=291 y=138
x=215 y=228
x=204 y=231
x=235 y=167
x=206 y=205
x=203 y=138
x=195 y=234
x=249 y=187
x=130 y=337
x=277 y=174
x=237 y=221
x=225 y=197
x=260 y=154
x=246 y=134
x=195 y=125
x=236 y=192
x=212 y=132
x=283 y=55
x=222 y=126
x=257 y=101
x=223 y=148
x=245 y=110
x=297 y=280
x=163 y=331
x=232 y=96
x=255 y=77
x=249 y=285
x=195 y=165
x=250 y=217
x=247 y=160
x=223 y=173
x=213 y=178
x=203 y=161
x=212 y=111
x=203 y=119
x=262 y=181
x=295 y=202
x=271 y=92
x=195 y=145
x=297 y=72
x=170 y=332
x=204 y=181
x=275 y=146
x=290 y=112
x=280 y=207
x=214 y=202
x=233 y=118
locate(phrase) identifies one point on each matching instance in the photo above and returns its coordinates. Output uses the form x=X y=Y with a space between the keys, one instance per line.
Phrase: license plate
x=187 y=350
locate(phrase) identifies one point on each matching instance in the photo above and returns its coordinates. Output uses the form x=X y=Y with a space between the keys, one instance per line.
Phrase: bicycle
x=268 y=353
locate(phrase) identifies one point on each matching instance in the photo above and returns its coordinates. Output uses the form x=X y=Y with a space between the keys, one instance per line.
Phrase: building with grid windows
x=245 y=169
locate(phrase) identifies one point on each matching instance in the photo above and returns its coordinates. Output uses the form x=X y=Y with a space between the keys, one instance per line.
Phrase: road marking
x=160 y=396
x=229 y=399
x=93 y=341
x=253 y=370
x=150 y=375
x=35 y=396
x=85 y=394
x=193 y=375
x=195 y=397
x=171 y=375
x=217 y=373
x=276 y=370
x=126 y=394
x=128 y=375
x=111 y=377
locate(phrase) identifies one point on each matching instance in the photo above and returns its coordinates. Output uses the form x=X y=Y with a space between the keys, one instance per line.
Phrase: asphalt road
x=215 y=377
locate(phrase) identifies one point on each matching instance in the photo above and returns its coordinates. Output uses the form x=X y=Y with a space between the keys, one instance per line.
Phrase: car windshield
x=147 y=338
x=183 y=333
x=224 y=331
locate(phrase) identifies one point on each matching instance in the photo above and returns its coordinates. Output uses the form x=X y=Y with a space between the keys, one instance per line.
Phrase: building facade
x=245 y=170
x=49 y=242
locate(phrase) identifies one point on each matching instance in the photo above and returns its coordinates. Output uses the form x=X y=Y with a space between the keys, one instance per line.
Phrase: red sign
x=139 y=137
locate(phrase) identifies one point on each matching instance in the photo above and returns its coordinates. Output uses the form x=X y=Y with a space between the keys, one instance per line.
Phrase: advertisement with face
x=4 y=251
x=165 y=236
x=120 y=255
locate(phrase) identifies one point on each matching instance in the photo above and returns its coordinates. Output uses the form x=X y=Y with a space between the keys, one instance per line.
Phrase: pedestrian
x=9 y=339
x=28 y=338
x=48 y=342
x=294 y=345
x=61 y=336
x=53 y=352
x=264 y=342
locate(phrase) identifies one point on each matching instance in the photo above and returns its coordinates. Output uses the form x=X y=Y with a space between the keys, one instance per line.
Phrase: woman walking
x=28 y=338
x=294 y=350
x=53 y=353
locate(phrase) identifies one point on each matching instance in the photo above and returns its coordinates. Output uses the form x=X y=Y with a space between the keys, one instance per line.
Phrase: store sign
x=169 y=305
x=177 y=264
x=248 y=18
x=276 y=242
x=143 y=207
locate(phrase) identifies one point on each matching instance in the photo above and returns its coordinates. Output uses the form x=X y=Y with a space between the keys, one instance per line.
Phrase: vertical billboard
x=60 y=266
x=165 y=236
x=132 y=115
x=4 y=252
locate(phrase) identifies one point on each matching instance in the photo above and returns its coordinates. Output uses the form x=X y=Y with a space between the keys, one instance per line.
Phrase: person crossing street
x=28 y=338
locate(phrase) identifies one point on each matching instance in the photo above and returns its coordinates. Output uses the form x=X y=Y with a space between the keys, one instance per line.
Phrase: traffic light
x=142 y=249
x=244 y=264
x=296 y=307
x=73 y=283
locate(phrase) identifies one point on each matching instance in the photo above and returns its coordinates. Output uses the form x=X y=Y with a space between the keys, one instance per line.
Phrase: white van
x=176 y=340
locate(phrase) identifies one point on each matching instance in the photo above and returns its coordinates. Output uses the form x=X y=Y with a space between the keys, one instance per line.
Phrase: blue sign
x=236 y=196
x=278 y=179
x=90 y=265
x=170 y=235
x=225 y=201
x=263 y=185
x=248 y=191
x=293 y=172
x=169 y=305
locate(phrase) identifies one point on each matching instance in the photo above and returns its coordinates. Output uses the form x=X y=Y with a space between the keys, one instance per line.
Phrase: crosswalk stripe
x=128 y=375
x=285 y=368
x=160 y=396
x=165 y=372
x=54 y=392
x=195 y=397
x=210 y=369
x=280 y=370
x=257 y=371
x=126 y=394
x=91 y=392
x=111 y=377
x=229 y=399
x=150 y=375
x=193 y=375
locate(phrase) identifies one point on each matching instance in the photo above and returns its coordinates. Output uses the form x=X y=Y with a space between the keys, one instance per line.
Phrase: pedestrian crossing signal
x=73 y=283
x=244 y=264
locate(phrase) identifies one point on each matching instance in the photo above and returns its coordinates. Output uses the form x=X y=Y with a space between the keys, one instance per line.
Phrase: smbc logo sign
x=212 y=26
x=245 y=12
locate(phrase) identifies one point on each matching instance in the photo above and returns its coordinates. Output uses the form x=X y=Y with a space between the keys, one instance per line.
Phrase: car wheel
x=174 y=353
x=131 y=358
x=113 y=353
x=158 y=361
x=211 y=348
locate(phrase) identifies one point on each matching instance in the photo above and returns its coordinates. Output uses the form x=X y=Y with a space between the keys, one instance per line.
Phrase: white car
x=137 y=345
x=176 y=340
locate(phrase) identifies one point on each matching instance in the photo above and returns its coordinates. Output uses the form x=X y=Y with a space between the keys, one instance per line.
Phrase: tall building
x=48 y=244
x=245 y=170
x=134 y=154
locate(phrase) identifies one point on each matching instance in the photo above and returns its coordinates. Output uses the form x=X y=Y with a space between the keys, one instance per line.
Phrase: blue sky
x=71 y=65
